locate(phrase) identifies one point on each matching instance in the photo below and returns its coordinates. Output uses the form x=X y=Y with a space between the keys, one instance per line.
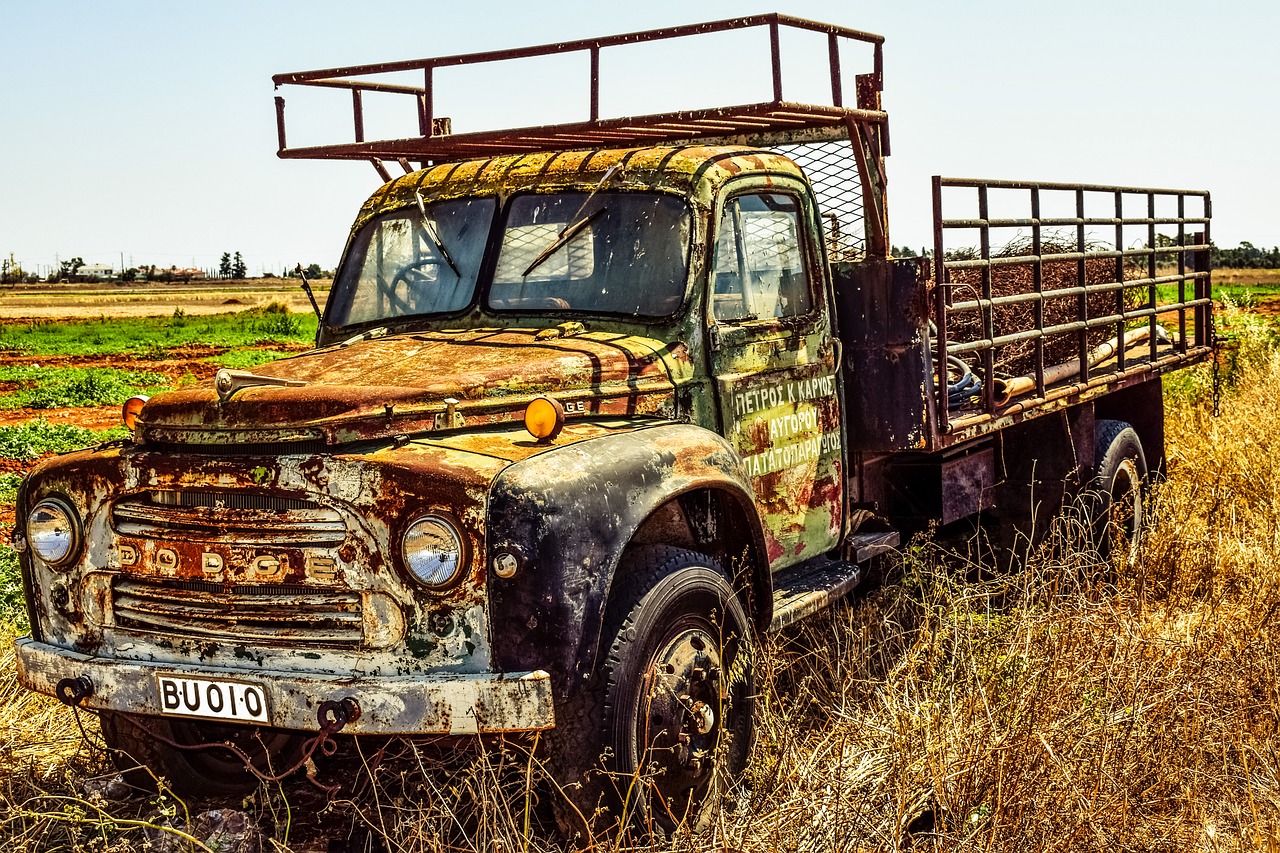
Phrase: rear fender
x=569 y=515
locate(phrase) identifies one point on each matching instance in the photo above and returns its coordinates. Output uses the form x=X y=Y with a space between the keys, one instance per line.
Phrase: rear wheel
x=675 y=695
x=213 y=770
x=1119 y=488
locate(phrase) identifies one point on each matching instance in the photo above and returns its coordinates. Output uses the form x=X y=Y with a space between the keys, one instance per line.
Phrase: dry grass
x=1248 y=277
x=1054 y=709
x=1070 y=706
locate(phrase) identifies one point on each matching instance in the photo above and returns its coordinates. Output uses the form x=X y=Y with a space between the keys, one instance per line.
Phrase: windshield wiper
x=366 y=335
x=430 y=227
x=571 y=230
x=306 y=287
x=575 y=225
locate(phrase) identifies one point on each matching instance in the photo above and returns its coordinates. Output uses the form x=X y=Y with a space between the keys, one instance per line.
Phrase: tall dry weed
x=1069 y=706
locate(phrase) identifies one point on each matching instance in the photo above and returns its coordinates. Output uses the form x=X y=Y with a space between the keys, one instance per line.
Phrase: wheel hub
x=683 y=721
x=702 y=717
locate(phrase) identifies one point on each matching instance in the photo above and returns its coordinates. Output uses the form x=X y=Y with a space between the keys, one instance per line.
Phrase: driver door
x=775 y=367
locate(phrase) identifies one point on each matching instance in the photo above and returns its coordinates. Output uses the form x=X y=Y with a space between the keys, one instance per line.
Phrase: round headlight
x=53 y=531
x=432 y=549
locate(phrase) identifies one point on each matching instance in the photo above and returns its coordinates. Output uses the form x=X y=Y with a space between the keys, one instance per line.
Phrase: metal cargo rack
x=817 y=135
x=1106 y=290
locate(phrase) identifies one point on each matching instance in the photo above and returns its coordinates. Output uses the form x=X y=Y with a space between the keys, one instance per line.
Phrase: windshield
x=413 y=261
x=604 y=253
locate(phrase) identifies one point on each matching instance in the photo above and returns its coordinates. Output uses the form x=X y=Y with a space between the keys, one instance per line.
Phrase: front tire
x=135 y=745
x=676 y=695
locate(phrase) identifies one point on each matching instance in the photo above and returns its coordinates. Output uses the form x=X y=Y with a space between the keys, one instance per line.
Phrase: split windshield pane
x=405 y=265
x=600 y=253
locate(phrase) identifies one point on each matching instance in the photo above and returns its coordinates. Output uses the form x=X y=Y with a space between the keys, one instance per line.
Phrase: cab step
x=806 y=589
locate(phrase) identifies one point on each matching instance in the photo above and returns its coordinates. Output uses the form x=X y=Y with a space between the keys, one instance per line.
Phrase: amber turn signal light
x=131 y=409
x=544 y=418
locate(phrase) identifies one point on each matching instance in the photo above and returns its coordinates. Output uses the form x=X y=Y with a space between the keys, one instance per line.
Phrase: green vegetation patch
x=1245 y=295
x=36 y=438
x=12 y=610
x=61 y=387
x=274 y=324
x=244 y=359
x=9 y=488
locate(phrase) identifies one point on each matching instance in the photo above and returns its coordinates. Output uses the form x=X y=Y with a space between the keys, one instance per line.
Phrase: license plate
x=211 y=698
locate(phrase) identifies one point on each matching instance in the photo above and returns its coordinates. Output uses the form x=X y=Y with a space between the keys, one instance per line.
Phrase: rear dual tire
x=1119 y=491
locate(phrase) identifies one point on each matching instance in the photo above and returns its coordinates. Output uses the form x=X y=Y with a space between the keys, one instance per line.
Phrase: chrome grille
x=242 y=518
x=270 y=613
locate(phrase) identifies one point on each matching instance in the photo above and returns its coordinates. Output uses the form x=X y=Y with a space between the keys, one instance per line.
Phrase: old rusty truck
x=593 y=406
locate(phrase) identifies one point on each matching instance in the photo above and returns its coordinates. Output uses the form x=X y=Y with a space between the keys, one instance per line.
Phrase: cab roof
x=693 y=171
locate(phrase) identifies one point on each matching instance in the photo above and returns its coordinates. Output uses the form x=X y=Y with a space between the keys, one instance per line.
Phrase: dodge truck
x=593 y=406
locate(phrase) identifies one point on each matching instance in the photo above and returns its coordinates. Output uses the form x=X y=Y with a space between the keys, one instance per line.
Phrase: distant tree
x=68 y=269
x=1246 y=255
x=314 y=271
x=130 y=274
x=224 y=267
x=238 y=268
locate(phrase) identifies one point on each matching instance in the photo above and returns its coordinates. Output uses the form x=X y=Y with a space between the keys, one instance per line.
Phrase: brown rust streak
x=391 y=386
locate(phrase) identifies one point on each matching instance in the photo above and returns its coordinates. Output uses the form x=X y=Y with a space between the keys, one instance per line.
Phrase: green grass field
x=60 y=387
x=36 y=438
x=149 y=336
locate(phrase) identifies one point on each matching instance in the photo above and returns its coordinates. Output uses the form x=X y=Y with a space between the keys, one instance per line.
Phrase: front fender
x=570 y=513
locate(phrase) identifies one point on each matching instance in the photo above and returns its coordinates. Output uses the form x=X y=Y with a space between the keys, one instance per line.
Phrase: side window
x=758 y=269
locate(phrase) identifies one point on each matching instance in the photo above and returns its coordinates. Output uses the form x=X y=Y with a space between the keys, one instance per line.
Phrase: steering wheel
x=412 y=275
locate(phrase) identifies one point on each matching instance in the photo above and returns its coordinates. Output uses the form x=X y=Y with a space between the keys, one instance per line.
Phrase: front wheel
x=676 y=691
x=138 y=742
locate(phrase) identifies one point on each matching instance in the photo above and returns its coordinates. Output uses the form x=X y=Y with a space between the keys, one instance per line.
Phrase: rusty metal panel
x=882 y=316
x=967 y=483
x=565 y=517
x=387 y=387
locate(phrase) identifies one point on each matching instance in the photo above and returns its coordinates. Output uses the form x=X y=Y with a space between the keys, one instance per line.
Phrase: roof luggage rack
x=773 y=123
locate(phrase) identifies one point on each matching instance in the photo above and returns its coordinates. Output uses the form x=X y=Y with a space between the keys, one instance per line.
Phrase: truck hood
x=423 y=382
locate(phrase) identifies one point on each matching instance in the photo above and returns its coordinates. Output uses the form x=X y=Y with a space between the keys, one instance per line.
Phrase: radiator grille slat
x=230 y=500
x=242 y=518
x=298 y=616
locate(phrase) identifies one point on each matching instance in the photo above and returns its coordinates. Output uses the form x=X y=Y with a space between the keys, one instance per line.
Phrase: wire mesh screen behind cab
x=832 y=171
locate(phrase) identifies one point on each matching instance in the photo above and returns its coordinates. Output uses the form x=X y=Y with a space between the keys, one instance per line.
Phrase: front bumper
x=445 y=704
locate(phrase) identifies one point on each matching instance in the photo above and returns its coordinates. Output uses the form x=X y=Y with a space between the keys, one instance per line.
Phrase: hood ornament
x=228 y=382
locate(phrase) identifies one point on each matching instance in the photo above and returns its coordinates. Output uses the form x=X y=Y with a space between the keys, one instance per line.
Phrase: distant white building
x=95 y=271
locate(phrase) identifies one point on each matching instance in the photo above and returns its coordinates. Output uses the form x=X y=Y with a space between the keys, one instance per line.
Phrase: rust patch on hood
x=428 y=381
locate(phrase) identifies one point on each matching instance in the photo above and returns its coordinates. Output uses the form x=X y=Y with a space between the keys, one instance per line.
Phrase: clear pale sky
x=147 y=129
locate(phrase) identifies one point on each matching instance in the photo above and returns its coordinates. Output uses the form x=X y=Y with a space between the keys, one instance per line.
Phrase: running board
x=801 y=592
